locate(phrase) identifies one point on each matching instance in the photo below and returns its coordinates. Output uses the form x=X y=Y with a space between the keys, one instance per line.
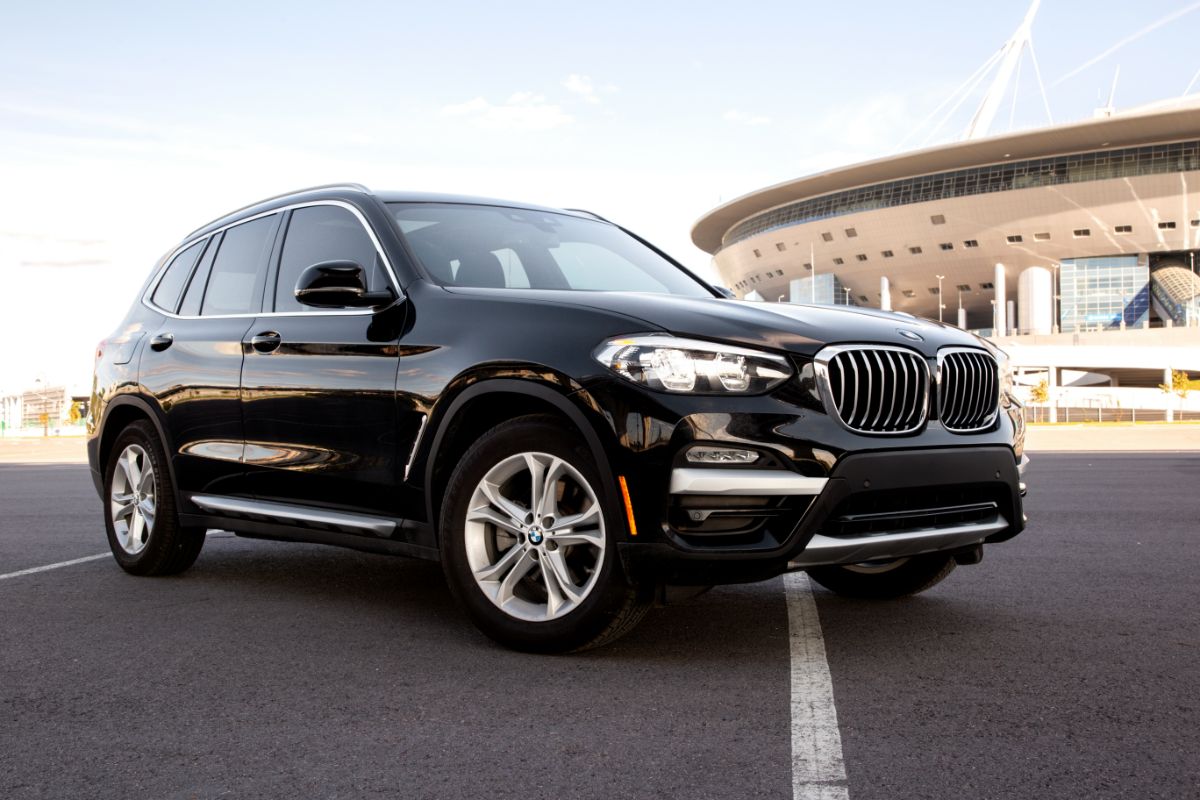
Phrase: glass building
x=824 y=290
x=1100 y=293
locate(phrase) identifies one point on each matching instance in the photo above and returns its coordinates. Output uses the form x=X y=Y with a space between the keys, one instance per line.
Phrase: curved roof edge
x=1129 y=129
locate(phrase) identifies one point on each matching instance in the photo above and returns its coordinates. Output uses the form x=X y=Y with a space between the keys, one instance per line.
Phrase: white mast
x=1010 y=57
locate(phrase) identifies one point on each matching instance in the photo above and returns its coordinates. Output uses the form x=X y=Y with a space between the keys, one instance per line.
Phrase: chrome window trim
x=391 y=273
x=821 y=368
x=979 y=351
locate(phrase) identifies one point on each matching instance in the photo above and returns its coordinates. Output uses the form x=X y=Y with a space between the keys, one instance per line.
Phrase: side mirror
x=338 y=284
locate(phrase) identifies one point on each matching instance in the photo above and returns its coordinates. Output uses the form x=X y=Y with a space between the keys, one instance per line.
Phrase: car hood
x=800 y=329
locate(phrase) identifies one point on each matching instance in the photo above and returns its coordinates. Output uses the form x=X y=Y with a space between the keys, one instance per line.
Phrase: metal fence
x=1099 y=414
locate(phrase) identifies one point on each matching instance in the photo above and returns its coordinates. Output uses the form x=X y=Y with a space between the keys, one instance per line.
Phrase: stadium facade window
x=1080 y=233
x=861 y=256
x=1099 y=293
x=824 y=289
x=938 y=219
x=757 y=254
x=971 y=243
x=934 y=290
x=909 y=293
x=916 y=251
x=1124 y=229
x=987 y=285
x=851 y=233
x=1042 y=237
x=887 y=253
x=947 y=245
x=964 y=287
x=1166 y=226
x=808 y=266
x=839 y=261
x=1127 y=162
x=780 y=246
x=1015 y=238
x=828 y=237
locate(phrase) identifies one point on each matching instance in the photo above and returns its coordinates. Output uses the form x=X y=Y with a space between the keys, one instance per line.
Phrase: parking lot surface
x=1064 y=665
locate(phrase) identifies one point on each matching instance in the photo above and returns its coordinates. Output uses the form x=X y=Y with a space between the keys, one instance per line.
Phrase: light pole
x=45 y=407
x=942 y=305
x=846 y=289
x=1054 y=328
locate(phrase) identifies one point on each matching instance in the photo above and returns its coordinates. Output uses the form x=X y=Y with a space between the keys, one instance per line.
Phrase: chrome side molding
x=262 y=510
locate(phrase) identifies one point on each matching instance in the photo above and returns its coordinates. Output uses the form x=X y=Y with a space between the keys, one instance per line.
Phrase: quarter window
x=170 y=286
x=324 y=233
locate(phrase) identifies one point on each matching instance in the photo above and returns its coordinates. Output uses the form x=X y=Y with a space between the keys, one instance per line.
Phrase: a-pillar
x=885 y=293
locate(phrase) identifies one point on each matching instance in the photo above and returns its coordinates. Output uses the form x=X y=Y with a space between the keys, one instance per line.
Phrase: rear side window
x=235 y=283
x=323 y=233
x=194 y=293
x=170 y=286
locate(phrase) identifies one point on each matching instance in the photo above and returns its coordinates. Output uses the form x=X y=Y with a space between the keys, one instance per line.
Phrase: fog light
x=721 y=455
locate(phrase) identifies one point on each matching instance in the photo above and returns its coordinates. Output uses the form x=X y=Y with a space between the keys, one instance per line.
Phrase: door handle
x=162 y=341
x=266 y=341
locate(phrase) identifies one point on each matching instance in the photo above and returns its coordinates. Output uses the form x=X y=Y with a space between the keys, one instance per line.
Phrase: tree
x=1040 y=393
x=1180 y=385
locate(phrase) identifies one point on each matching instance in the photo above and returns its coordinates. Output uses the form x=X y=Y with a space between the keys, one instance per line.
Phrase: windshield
x=515 y=248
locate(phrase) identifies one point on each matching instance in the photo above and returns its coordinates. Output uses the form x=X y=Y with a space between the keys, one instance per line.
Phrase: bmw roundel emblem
x=911 y=335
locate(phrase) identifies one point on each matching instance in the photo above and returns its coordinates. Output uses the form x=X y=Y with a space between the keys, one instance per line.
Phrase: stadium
x=1073 y=246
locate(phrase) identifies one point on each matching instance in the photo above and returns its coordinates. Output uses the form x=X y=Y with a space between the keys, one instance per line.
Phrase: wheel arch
x=489 y=402
x=119 y=413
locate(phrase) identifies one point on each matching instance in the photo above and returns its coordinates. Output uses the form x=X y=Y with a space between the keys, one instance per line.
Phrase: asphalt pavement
x=1065 y=665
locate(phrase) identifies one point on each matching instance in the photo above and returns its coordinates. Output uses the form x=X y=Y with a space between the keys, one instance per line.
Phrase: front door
x=319 y=385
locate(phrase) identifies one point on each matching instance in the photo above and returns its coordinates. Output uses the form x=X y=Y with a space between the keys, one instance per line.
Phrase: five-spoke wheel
x=144 y=531
x=527 y=541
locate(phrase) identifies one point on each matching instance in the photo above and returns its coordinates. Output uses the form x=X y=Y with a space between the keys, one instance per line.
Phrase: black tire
x=610 y=608
x=165 y=547
x=899 y=578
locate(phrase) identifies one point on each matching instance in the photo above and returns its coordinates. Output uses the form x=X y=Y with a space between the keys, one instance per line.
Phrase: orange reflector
x=628 y=506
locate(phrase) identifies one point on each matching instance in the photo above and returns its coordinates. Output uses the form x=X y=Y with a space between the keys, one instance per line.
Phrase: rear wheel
x=141 y=520
x=528 y=542
x=885 y=580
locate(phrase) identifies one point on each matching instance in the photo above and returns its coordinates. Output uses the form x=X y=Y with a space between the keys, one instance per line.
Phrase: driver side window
x=323 y=233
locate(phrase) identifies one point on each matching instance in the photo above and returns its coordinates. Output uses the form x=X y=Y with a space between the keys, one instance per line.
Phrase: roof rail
x=589 y=213
x=358 y=187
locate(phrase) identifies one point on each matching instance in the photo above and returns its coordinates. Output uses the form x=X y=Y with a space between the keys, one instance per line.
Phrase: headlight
x=670 y=364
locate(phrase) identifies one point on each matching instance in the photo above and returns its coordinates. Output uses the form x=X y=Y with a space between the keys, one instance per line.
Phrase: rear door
x=193 y=362
x=318 y=385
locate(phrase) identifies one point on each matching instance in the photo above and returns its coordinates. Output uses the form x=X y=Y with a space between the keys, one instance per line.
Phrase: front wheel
x=885 y=580
x=528 y=542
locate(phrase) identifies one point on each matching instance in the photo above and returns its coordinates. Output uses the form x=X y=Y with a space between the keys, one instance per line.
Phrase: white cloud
x=743 y=118
x=582 y=86
x=523 y=111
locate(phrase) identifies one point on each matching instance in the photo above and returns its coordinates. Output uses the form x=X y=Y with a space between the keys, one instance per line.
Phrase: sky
x=123 y=126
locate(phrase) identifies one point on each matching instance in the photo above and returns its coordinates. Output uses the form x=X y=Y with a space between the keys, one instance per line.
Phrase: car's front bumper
x=960 y=498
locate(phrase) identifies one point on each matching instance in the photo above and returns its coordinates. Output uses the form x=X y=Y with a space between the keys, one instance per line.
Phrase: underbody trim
x=823 y=549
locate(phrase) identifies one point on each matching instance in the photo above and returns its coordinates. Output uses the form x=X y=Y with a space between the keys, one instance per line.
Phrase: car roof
x=357 y=190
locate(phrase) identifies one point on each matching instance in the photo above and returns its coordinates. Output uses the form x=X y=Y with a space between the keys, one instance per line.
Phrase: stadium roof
x=1159 y=123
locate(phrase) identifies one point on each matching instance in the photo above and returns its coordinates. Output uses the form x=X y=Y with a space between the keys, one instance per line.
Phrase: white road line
x=818 y=772
x=70 y=563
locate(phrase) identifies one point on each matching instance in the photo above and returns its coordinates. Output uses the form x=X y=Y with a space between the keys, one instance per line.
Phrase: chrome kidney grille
x=874 y=388
x=968 y=389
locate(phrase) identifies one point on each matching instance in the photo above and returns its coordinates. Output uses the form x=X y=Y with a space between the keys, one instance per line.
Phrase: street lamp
x=45 y=407
x=1054 y=328
x=846 y=289
x=942 y=305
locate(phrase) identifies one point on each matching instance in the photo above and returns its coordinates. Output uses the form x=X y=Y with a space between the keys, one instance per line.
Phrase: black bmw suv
x=572 y=423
